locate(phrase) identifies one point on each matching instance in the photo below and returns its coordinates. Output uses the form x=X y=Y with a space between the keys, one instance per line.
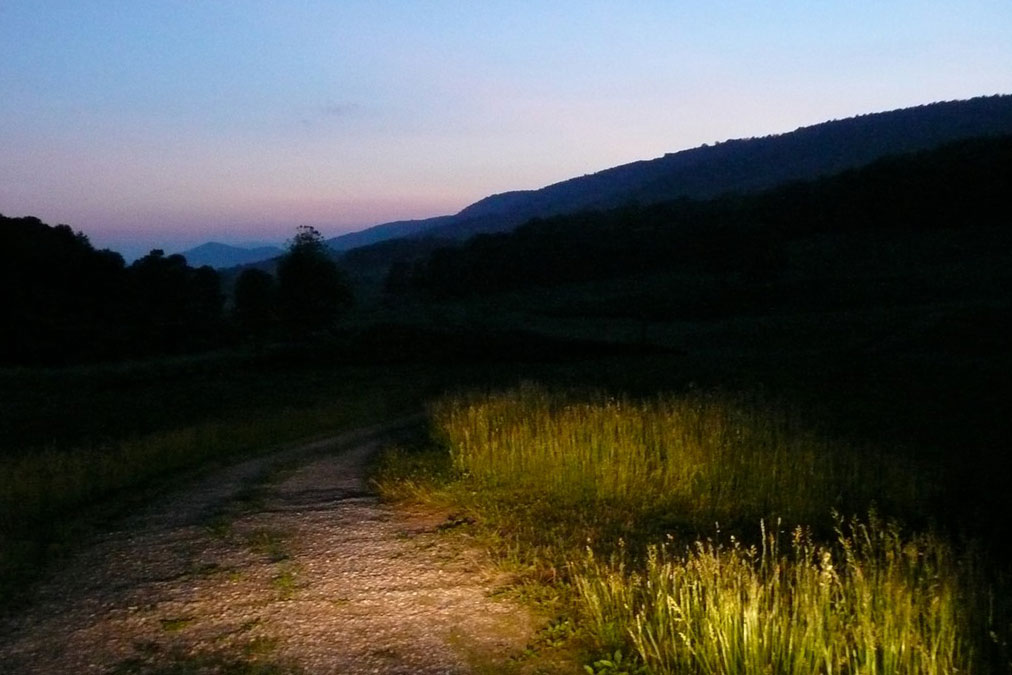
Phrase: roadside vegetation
x=88 y=445
x=711 y=532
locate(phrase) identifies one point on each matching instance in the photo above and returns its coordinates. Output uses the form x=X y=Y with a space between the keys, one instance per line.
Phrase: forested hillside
x=741 y=165
x=741 y=239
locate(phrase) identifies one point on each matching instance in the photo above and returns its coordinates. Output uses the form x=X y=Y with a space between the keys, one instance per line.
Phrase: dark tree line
x=738 y=238
x=63 y=301
x=308 y=294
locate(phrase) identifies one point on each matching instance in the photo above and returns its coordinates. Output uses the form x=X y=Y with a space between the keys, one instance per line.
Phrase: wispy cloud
x=324 y=115
x=340 y=109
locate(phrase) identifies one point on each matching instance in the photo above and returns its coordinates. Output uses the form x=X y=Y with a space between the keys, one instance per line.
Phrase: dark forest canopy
x=967 y=183
x=66 y=302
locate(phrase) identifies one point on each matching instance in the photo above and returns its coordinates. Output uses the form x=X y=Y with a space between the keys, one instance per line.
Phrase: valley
x=739 y=409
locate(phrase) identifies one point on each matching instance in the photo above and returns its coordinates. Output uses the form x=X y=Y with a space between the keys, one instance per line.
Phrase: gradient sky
x=152 y=123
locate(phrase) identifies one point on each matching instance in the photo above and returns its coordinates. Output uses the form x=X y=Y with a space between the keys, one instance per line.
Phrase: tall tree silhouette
x=312 y=291
x=255 y=301
x=177 y=308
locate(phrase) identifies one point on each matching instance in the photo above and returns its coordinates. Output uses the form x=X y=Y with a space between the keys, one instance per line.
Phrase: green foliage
x=689 y=460
x=876 y=601
x=285 y=582
x=615 y=664
x=73 y=304
x=599 y=494
x=176 y=624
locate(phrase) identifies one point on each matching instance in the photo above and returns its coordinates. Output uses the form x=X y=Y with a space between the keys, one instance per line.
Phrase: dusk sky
x=168 y=124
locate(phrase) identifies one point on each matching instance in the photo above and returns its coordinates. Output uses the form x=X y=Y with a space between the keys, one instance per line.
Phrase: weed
x=267 y=542
x=219 y=526
x=555 y=633
x=615 y=664
x=285 y=582
x=249 y=625
x=260 y=646
x=175 y=624
x=206 y=569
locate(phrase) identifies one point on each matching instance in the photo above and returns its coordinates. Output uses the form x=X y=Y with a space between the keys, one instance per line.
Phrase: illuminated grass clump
x=643 y=481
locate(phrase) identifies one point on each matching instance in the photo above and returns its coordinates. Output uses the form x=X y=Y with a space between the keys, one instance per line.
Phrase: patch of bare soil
x=305 y=572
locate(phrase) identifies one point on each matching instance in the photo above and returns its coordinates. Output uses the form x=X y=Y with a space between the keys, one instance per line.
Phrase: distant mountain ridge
x=386 y=231
x=743 y=165
x=221 y=256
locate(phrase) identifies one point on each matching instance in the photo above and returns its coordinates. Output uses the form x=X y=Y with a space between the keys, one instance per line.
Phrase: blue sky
x=147 y=123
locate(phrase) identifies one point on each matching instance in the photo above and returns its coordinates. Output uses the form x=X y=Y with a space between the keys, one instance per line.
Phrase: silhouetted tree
x=312 y=291
x=177 y=308
x=206 y=299
x=255 y=300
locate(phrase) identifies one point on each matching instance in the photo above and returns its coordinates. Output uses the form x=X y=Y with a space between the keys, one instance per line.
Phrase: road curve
x=282 y=563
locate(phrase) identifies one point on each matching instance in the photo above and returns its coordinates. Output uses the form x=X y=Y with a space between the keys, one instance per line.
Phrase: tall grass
x=705 y=457
x=550 y=471
x=875 y=602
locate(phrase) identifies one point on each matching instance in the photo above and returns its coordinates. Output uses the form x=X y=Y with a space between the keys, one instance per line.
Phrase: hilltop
x=741 y=165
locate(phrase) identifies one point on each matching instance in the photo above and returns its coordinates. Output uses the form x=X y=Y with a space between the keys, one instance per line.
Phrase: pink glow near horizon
x=168 y=124
x=247 y=225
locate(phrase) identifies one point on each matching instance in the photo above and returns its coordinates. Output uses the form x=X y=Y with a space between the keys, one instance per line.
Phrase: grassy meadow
x=715 y=532
x=804 y=507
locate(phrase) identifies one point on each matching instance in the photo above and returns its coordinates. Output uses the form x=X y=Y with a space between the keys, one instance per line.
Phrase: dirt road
x=285 y=563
